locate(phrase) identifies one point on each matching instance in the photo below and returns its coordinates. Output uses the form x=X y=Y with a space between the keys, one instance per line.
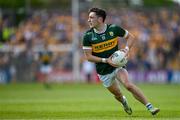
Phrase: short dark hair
x=99 y=12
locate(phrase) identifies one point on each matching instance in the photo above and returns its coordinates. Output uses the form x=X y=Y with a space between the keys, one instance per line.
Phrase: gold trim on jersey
x=104 y=46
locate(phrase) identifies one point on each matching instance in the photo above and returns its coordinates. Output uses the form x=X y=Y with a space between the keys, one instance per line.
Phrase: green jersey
x=103 y=45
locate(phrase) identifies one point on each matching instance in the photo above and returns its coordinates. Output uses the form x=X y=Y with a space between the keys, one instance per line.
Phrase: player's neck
x=101 y=28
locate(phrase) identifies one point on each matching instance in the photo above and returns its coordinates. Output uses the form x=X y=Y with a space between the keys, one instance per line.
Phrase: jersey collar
x=99 y=32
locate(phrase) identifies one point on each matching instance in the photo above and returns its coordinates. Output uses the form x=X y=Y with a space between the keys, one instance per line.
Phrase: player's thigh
x=122 y=76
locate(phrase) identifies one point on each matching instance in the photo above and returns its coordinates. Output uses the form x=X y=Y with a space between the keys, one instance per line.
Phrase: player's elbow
x=88 y=57
x=131 y=36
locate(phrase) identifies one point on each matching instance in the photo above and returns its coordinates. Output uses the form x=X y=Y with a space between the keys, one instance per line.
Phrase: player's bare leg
x=46 y=81
x=115 y=90
x=122 y=76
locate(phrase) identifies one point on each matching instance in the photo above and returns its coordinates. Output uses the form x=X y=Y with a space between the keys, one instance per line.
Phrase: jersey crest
x=111 y=33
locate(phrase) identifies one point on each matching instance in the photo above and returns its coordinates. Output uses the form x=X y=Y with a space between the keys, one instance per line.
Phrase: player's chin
x=91 y=26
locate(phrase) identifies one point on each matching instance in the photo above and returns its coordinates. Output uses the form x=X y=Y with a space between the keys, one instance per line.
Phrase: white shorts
x=46 y=69
x=108 y=79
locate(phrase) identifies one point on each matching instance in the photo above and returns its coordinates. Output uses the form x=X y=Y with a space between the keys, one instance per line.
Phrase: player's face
x=93 y=20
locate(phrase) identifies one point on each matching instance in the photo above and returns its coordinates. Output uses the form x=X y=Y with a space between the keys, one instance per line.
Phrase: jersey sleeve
x=86 y=42
x=121 y=32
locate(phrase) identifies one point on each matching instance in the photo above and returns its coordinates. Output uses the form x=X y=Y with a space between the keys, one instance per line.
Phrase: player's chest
x=98 y=38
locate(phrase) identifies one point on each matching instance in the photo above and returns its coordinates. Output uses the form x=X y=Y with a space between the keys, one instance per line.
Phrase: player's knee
x=129 y=86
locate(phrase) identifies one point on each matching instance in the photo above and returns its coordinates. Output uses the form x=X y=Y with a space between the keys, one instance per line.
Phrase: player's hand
x=109 y=61
x=126 y=52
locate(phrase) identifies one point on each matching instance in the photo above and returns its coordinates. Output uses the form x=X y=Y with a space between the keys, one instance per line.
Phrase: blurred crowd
x=157 y=35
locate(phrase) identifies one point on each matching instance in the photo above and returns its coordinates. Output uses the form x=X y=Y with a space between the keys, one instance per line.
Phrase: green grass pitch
x=84 y=102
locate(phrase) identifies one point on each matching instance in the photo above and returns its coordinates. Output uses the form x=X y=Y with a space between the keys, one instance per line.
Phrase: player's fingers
x=126 y=52
x=127 y=55
x=111 y=63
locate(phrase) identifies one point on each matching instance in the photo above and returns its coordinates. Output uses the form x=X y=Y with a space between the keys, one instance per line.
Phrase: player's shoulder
x=115 y=27
x=112 y=26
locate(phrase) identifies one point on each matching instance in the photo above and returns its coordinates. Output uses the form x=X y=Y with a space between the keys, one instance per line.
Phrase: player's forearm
x=92 y=58
x=130 y=41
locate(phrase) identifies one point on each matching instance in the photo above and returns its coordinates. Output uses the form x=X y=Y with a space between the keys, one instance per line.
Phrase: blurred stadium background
x=25 y=25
